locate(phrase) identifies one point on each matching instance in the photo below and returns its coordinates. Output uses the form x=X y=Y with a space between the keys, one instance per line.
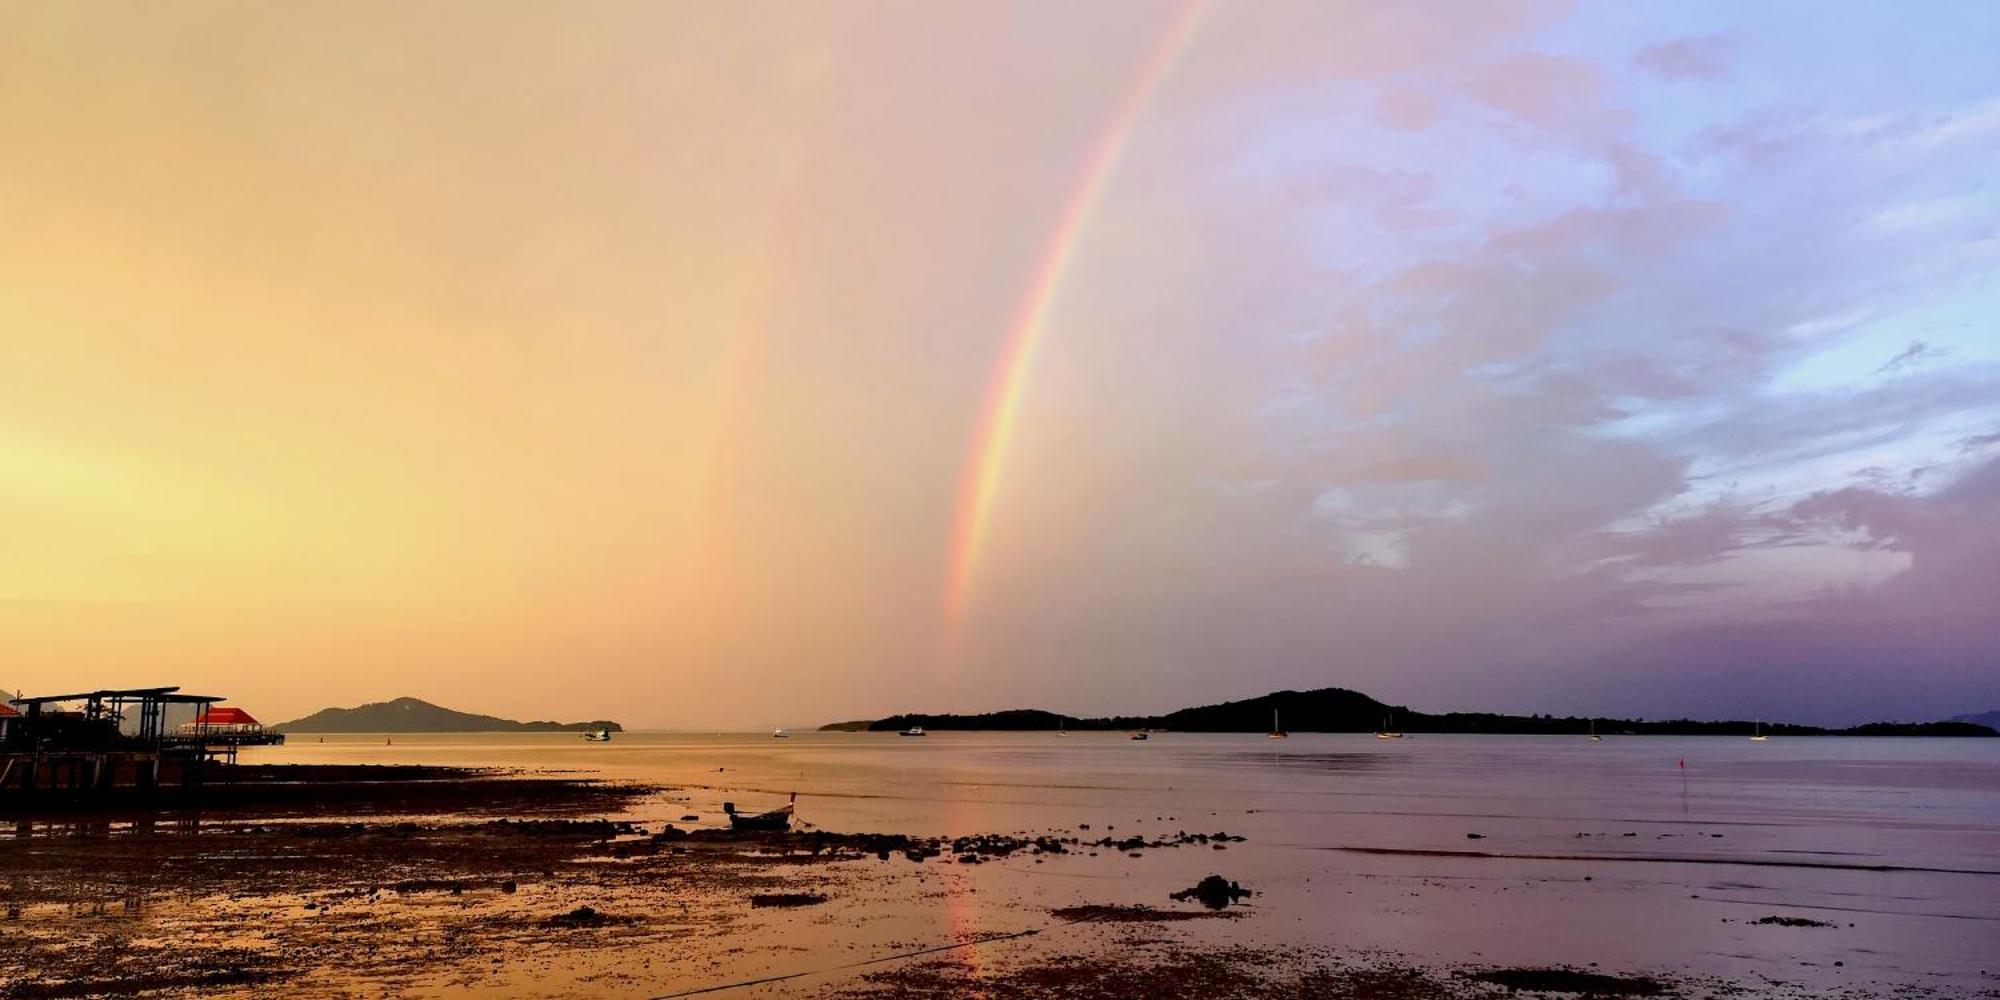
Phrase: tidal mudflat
x=1033 y=865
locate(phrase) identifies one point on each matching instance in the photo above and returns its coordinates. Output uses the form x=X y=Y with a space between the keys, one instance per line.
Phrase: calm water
x=1641 y=853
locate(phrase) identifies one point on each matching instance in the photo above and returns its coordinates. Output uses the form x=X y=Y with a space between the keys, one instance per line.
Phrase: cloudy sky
x=644 y=360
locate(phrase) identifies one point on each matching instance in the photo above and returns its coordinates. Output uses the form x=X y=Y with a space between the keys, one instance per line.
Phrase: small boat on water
x=1388 y=731
x=1594 y=738
x=914 y=731
x=1757 y=732
x=1277 y=731
x=1062 y=728
x=778 y=819
x=1141 y=735
x=779 y=734
x=598 y=735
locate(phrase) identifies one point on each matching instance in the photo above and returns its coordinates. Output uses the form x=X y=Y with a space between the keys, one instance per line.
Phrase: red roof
x=222 y=716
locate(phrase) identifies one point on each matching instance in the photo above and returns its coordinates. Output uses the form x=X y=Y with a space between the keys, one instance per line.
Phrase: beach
x=1036 y=865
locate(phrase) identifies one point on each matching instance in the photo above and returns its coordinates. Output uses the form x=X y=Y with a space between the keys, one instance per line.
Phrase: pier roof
x=162 y=694
x=225 y=716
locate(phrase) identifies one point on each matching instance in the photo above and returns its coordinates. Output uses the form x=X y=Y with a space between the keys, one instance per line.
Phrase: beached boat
x=776 y=819
x=598 y=735
x=914 y=731
x=1277 y=731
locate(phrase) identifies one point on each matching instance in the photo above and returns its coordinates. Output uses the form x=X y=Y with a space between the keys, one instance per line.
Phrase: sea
x=1639 y=854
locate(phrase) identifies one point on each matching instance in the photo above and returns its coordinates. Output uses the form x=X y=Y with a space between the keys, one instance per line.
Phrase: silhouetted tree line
x=1338 y=710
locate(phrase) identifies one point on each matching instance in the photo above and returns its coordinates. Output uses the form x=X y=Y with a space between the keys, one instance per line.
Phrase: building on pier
x=97 y=741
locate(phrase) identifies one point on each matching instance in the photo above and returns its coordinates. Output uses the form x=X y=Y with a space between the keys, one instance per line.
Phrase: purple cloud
x=1699 y=57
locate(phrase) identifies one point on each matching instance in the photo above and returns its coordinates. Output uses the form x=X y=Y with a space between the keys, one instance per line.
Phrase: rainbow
x=986 y=460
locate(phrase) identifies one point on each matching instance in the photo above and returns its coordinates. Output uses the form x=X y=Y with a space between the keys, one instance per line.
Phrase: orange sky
x=366 y=351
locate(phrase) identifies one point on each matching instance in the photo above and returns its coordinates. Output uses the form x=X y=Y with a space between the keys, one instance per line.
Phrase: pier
x=117 y=740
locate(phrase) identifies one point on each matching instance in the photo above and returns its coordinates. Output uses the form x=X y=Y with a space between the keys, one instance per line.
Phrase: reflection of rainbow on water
x=961 y=910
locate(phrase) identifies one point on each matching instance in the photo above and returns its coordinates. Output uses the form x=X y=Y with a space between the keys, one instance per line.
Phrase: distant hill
x=411 y=715
x=1990 y=720
x=1338 y=710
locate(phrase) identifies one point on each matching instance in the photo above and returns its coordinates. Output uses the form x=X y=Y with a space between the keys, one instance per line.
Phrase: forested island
x=413 y=715
x=1338 y=710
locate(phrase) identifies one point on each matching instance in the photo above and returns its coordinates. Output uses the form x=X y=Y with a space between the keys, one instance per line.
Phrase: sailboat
x=1757 y=732
x=1386 y=733
x=1277 y=731
x=1062 y=727
x=1594 y=738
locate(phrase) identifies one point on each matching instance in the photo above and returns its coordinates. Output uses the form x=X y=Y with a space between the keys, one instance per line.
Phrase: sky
x=747 y=364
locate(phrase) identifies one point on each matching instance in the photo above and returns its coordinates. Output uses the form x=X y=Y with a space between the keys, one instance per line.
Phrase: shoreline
x=431 y=903
x=280 y=790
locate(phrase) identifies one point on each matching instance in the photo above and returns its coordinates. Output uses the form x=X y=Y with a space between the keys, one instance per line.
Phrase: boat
x=1757 y=732
x=779 y=734
x=778 y=819
x=1062 y=727
x=1387 y=733
x=914 y=731
x=1141 y=735
x=1594 y=738
x=598 y=735
x=1277 y=731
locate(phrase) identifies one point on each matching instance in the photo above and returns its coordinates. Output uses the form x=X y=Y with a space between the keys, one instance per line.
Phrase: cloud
x=1697 y=57
x=1916 y=353
x=1567 y=418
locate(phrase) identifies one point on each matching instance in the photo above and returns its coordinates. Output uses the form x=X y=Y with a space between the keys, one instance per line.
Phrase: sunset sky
x=747 y=364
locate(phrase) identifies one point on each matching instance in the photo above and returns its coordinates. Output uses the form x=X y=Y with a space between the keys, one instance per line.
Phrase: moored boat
x=775 y=819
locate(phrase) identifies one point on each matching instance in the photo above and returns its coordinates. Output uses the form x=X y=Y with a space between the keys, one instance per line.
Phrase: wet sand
x=553 y=906
x=609 y=891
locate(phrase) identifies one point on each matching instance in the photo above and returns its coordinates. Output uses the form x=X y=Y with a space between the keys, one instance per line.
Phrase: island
x=1339 y=710
x=1990 y=719
x=413 y=715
